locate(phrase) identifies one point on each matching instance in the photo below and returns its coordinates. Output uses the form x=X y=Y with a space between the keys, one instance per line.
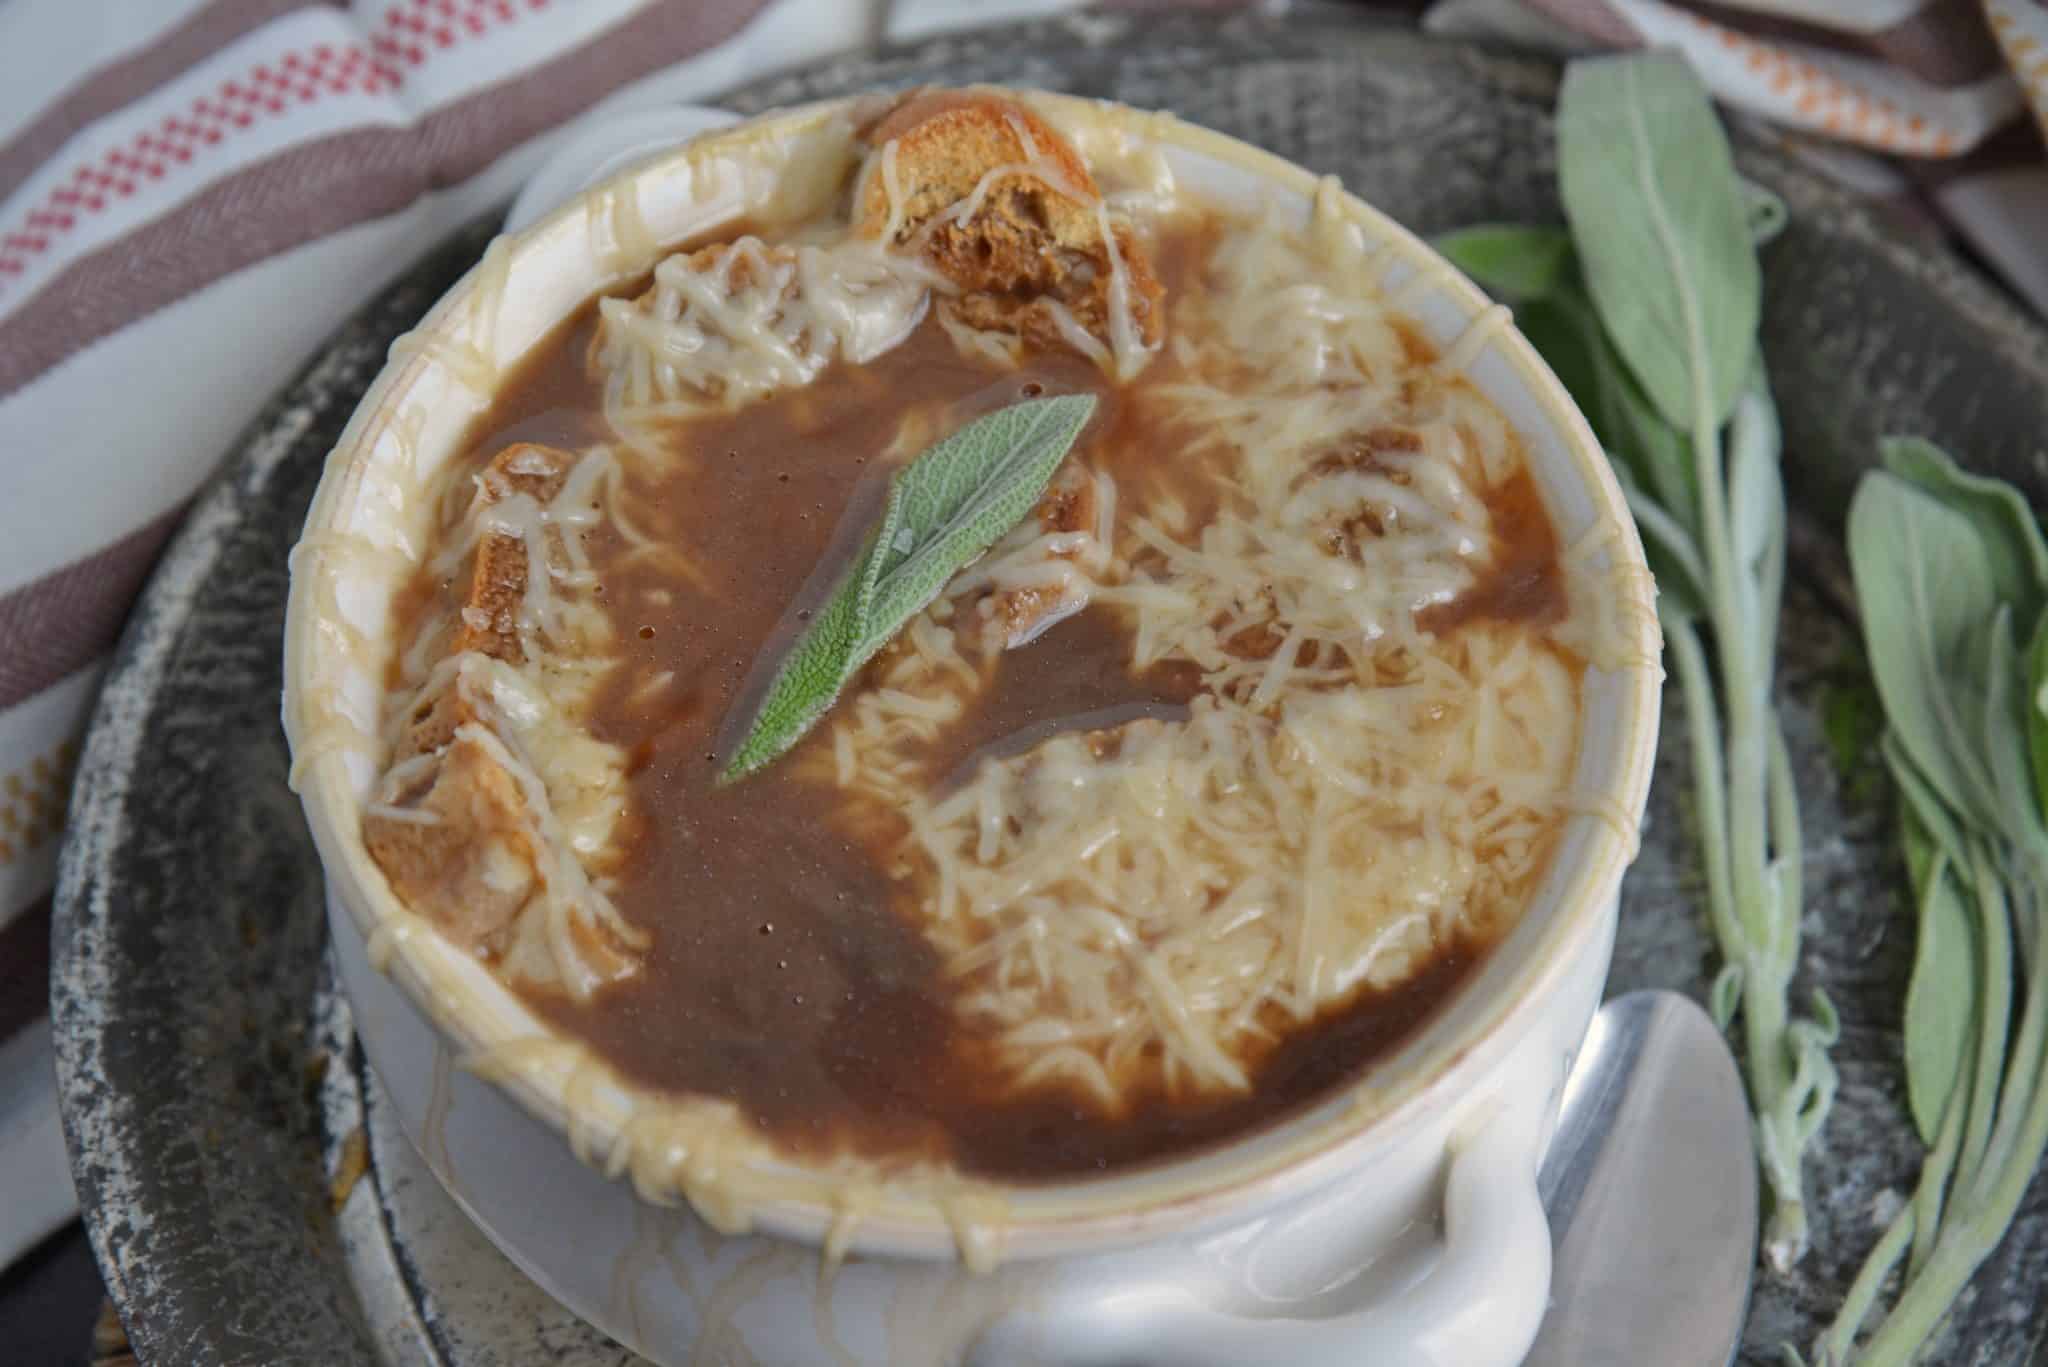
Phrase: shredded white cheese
x=527 y=720
x=745 y=320
x=1154 y=904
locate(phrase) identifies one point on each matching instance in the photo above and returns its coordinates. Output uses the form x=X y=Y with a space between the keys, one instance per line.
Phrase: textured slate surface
x=209 y=1080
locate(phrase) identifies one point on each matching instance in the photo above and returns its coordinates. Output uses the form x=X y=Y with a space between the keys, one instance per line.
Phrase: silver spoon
x=1650 y=1185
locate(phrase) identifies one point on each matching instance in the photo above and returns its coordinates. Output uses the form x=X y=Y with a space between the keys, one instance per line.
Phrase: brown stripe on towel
x=25 y=968
x=119 y=83
x=1944 y=43
x=1594 y=19
x=58 y=624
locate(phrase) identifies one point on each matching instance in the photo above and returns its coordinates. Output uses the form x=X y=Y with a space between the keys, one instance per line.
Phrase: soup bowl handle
x=1479 y=1303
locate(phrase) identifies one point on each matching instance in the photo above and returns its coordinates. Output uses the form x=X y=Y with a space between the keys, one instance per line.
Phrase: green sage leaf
x=1827 y=1021
x=1564 y=327
x=1934 y=815
x=2037 y=709
x=1725 y=996
x=1662 y=229
x=1941 y=996
x=1510 y=260
x=1756 y=489
x=2004 y=522
x=1926 y=586
x=1659 y=450
x=943 y=510
x=805 y=684
x=1814 y=1076
x=956 y=499
x=1767 y=212
x=2007 y=744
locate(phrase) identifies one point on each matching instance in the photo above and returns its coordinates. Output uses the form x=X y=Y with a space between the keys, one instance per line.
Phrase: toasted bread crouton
x=1017 y=615
x=1004 y=207
x=489 y=620
x=736 y=258
x=454 y=832
x=740 y=320
x=471 y=861
x=1068 y=504
x=463 y=847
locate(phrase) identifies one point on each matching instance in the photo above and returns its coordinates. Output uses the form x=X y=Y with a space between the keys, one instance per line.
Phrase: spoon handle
x=1650 y=1186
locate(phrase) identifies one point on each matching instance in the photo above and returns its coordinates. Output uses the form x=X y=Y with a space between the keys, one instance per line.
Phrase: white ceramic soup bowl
x=1394 y=1222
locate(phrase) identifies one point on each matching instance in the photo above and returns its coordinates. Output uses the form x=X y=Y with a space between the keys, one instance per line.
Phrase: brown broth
x=781 y=975
x=1525 y=582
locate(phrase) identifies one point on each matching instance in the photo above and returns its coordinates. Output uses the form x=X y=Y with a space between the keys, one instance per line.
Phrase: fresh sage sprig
x=943 y=510
x=1648 y=311
x=1951 y=577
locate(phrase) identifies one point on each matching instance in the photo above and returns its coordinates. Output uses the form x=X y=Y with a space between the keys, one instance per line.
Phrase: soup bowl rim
x=925 y=1219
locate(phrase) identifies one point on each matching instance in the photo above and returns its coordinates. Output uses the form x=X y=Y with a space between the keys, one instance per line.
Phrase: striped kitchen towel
x=1938 y=106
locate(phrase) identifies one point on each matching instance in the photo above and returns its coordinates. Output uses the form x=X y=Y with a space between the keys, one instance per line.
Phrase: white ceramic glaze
x=1376 y=1267
x=1395 y=1223
x=605 y=149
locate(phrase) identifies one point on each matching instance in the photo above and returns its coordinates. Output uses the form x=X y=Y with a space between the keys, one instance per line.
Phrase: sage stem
x=1835 y=1346
x=1765 y=913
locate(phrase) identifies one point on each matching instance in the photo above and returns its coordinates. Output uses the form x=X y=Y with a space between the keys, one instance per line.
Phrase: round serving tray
x=248 y=1192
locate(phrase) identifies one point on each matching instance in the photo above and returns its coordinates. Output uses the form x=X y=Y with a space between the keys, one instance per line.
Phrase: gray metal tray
x=211 y=1089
